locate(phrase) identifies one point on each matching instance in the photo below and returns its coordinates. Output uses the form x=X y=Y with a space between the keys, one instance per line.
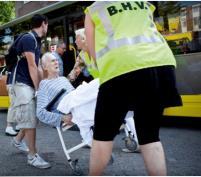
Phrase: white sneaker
x=137 y=150
x=10 y=131
x=17 y=129
x=37 y=161
x=20 y=145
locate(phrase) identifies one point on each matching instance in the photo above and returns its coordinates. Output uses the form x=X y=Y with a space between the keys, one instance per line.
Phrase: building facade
x=25 y=7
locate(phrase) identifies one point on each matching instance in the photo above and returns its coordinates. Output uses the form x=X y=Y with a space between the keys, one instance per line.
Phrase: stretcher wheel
x=75 y=167
x=130 y=143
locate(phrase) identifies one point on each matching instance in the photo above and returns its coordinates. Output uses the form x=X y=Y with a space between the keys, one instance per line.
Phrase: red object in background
x=3 y=90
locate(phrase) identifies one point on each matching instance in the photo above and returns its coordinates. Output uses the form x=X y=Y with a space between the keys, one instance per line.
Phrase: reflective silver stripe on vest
x=98 y=6
x=113 y=44
x=152 y=25
x=148 y=3
x=106 y=23
x=150 y=17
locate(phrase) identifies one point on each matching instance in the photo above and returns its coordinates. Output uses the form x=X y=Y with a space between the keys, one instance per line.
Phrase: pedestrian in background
x=137 y=72
x=61 y=48
x=82 y=68
x=25 y=80
x=10 y=131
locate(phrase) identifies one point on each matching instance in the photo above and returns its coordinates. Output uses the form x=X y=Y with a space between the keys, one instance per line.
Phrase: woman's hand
x=67 y=119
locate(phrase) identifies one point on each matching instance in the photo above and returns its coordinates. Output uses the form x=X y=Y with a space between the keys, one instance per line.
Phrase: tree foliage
x=7 y=11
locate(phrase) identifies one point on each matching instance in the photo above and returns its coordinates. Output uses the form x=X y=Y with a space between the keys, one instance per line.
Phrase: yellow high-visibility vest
x=91 y=67
x=126 y=38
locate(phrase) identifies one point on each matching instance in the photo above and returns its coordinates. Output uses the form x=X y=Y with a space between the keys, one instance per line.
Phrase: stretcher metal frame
x=73 y=163
x=130 y=143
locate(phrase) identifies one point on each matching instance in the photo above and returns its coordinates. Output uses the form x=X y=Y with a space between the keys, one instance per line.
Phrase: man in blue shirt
x=61 y=48
x=25 y=79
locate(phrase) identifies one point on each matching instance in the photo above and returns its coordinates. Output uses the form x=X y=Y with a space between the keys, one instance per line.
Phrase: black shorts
x=147 y=92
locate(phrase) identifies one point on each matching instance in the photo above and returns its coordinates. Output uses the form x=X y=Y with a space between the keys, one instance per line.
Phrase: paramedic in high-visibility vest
x=137 y=72
x=83 y=61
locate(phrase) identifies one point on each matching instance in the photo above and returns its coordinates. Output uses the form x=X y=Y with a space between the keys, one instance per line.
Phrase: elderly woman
x=48 y=89
x=83 y=63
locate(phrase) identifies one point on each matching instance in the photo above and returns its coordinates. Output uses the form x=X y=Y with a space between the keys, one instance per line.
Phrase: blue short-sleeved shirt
x=27 y=44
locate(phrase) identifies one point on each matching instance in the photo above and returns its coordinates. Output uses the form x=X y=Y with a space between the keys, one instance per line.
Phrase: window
x=180 y=23
x=195 y=21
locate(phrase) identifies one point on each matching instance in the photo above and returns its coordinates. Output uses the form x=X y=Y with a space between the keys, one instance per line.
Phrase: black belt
x=54 y=100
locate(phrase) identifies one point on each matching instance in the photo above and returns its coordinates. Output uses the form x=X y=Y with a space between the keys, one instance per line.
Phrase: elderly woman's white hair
x=81 y=32
x=45 y=57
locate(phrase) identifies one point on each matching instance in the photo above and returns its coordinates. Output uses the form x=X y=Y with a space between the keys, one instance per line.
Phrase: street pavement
x=182 y=147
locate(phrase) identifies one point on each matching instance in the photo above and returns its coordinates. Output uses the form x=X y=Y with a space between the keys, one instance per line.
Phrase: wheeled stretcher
x=81 y=104
x=130 y=143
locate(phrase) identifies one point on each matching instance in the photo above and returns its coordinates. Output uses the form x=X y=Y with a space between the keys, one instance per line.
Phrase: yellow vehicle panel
x=191 y=107
x=177 y=36
x=4 y=102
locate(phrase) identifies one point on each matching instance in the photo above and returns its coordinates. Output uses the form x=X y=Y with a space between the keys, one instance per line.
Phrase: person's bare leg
x=20 y=135
x=154 y=158
x=30 y=135
x=100 y=155
x=9 y=124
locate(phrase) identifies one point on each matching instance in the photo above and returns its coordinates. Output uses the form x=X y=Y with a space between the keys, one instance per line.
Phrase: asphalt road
x=182 y=143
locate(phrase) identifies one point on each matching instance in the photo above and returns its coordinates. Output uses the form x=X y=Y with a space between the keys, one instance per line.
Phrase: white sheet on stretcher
x=81 y=103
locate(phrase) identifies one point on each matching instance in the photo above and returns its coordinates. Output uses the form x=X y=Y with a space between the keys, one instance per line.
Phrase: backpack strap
x=15 y=70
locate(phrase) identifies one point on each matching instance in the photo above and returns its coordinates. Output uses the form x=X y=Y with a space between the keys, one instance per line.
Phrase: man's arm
x=40 y=71
x=33 y=70
x=90 y=36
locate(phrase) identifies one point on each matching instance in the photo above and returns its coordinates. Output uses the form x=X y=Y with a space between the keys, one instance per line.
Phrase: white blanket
x=81 y=103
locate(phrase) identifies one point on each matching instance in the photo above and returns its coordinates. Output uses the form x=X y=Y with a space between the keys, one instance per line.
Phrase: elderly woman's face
x=79 y=42
x=52 y=66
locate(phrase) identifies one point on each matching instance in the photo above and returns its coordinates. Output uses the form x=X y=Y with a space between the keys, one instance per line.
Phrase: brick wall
x=22 y=8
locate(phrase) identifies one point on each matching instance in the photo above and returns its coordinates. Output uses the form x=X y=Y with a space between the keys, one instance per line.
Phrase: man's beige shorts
x=23 y=106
